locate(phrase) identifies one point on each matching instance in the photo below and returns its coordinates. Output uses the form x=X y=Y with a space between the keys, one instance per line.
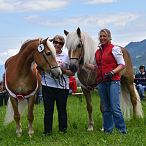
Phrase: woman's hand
x=91 y=67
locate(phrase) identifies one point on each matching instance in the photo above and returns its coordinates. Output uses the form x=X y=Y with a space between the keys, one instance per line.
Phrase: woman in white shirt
x=56 y=90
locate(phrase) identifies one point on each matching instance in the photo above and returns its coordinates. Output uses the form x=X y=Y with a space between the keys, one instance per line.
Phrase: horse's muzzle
x=73 y=68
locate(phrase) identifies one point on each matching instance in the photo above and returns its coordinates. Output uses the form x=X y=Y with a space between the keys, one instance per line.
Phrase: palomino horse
x=22 y=79
x=82 y=48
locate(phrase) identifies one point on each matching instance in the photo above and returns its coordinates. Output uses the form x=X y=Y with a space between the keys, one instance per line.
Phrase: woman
x=110 y=61
x=56 y=90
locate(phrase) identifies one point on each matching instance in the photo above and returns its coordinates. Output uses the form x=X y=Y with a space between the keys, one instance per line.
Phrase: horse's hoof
x=90 y=128
x=30 y=133
x=19 y=132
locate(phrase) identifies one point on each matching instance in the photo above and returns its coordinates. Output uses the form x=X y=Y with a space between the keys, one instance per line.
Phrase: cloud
x=118 y=20
x=31 y=5
x=100 y=1
x=6 y=54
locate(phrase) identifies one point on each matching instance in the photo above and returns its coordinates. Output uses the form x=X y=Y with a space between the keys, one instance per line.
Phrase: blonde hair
x=107 y=32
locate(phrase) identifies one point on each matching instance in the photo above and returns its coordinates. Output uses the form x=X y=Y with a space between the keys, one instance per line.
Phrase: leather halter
x=47 y=54
x=80 y=59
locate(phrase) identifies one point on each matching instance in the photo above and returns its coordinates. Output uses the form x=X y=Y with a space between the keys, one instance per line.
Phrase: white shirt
x=117 y=52
x=47 y=80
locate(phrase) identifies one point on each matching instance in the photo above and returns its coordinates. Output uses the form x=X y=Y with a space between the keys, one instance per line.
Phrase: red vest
x=105 y=62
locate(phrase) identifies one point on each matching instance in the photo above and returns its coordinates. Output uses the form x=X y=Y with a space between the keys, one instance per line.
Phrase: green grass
x=77 y=124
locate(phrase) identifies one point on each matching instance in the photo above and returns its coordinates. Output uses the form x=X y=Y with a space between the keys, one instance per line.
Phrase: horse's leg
x=16 y=116
x=31 y=102
x=135 y=100
x=89 y=109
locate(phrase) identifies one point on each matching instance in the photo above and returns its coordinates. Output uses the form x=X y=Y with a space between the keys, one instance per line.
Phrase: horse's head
x=75 y=48
x=45 y=58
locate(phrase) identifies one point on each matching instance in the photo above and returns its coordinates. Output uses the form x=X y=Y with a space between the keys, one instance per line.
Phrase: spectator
x=72 y=85
x=3 y=93
x=140 y=81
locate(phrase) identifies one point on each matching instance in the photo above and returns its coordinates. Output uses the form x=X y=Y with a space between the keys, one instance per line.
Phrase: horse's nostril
x=73 y=68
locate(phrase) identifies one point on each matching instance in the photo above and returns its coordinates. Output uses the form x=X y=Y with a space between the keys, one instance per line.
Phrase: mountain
x=137 y=52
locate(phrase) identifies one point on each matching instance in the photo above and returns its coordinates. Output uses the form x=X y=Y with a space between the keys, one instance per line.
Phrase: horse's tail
x=126 y=105
x=9 y=117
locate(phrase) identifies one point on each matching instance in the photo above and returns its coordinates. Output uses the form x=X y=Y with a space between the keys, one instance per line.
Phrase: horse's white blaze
x=51 y=47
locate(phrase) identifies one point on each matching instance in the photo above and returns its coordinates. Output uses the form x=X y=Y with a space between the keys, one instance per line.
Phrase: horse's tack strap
x=92 y=87
x=15 y=95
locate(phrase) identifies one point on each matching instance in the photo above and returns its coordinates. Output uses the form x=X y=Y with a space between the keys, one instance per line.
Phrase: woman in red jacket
x=110 y=61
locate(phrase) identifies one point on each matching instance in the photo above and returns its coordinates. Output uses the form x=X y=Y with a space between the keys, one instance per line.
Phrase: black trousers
x=50 y=95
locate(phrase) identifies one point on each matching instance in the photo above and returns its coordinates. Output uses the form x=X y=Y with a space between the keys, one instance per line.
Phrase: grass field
x=77 y=124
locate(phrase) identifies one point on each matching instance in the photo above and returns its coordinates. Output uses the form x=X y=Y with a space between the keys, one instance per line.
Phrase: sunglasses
x=60 y=43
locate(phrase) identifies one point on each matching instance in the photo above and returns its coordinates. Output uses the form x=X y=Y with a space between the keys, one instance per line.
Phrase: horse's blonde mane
x=89 y=45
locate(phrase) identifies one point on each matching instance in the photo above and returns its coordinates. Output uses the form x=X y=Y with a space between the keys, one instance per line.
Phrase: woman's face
x=58 y=44
x=103 y=38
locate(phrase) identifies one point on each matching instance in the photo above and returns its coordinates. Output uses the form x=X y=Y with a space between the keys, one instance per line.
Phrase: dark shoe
x=107 y=132
x=123 y=132
x=63 y=131
x=47 y=133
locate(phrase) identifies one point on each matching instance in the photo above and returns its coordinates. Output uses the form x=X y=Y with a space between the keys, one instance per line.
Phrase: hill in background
x=137 y=52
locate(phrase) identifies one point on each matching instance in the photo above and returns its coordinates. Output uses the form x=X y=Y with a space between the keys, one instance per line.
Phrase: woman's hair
x=105 y=30
x=61 y=38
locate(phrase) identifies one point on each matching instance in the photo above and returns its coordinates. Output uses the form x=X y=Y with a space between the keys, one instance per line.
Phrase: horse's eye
x=48 y=53
x=79 y=46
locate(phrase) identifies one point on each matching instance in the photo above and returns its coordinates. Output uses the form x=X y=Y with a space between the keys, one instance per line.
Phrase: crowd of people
x=54 y=90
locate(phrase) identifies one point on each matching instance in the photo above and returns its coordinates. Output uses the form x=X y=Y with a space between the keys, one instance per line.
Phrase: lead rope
x=62 y=79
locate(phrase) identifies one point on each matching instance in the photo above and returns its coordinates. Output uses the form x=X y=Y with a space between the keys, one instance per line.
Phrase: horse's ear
x=79 y=32
x=44 y=40
x=66 y=32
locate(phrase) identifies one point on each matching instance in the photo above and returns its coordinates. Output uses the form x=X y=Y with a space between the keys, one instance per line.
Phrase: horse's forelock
x=89 y=45
x=51 y=47
x=72 y=40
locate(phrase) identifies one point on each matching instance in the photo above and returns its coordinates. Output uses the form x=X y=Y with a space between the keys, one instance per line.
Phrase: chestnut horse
x=22 y=79
x=81 y=48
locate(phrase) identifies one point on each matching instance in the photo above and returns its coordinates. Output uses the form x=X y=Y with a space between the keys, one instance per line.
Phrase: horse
x=22 y=78
x=81 y=49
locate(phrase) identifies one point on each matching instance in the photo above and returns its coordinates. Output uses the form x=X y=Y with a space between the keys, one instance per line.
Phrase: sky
x=29 y=19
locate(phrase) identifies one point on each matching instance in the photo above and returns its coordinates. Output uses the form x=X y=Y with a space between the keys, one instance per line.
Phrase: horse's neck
x=26 y=57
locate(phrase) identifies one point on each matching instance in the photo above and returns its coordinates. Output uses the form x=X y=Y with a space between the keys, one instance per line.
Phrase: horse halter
x=80 y=58
x=41 y=49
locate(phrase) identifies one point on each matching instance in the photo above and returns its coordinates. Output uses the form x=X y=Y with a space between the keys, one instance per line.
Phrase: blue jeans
x=110 y=101
x=141 y=88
